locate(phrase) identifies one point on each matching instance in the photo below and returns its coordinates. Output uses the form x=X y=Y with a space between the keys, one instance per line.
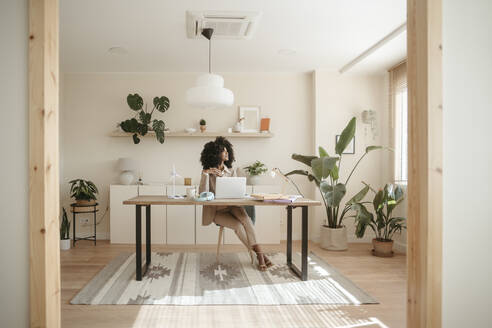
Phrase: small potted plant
x=64 y=232
x=203 y=125
x=83 y=191
x=384 y=224
x=254 y=171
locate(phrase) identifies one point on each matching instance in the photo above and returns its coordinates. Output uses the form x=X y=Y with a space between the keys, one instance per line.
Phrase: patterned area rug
x=196 y=279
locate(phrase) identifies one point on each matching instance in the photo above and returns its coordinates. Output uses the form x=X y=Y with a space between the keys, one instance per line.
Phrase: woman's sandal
x=268 y=263
x=262 y=266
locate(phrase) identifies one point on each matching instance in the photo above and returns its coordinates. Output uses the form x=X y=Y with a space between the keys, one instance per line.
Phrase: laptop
x=230 y=187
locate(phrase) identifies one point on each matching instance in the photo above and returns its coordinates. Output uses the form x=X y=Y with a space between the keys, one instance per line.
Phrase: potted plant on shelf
x=384 y=224
x=83 y=191
x=64 y=232
x=325 y=174
x=254 y=171
x=203 y=125
x=139 y=125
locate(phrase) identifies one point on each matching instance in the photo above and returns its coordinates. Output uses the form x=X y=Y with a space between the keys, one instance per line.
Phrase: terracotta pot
x=85 y=207
x=333 y=239
x=203 y=128
x=382 y=248
x=85 y=202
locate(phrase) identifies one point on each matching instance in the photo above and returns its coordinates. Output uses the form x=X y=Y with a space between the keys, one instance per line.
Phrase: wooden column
x=43 y=164
x=424 y=254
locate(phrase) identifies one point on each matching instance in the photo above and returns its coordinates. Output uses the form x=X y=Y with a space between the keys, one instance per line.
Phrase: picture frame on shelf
x=251 y=121
x=350 y=148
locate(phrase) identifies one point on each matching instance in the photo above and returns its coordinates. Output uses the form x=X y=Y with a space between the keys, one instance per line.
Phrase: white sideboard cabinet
x=183 y=224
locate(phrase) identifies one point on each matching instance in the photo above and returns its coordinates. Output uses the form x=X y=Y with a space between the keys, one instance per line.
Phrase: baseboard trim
x=400 y=247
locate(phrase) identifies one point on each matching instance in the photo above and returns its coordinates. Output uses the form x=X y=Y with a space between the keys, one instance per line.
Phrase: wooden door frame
x=424 y=254
x=44 y=193
x=424 y=257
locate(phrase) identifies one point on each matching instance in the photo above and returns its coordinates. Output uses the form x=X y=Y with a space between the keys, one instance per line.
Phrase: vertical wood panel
x=43 y=164
x=424 y=254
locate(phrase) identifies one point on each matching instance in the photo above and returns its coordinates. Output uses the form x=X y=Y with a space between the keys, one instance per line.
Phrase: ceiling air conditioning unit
x=239 y=25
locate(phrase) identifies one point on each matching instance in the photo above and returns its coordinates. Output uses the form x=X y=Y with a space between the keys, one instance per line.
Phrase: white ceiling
x=325 y=34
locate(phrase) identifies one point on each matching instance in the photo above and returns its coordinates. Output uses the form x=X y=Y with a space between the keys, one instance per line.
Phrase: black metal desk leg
x=73 y=223
x=289 y=235
x=138 y=241
x=95 y=224
x=147 y=236
x=304 y=264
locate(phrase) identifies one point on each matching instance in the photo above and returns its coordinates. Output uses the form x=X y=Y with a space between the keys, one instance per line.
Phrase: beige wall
x=14 y=234
x=307 y=110
x=92 y=104
x=338 y=99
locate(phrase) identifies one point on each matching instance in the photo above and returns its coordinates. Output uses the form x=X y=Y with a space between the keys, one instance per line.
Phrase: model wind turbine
x=173 y=177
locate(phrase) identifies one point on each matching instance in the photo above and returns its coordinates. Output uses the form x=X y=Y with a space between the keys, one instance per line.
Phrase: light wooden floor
x=383 y=278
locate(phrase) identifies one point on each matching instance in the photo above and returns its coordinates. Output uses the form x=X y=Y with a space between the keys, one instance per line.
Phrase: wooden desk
x=148 y=201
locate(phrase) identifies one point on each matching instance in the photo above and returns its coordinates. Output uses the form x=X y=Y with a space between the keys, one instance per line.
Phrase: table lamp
x=127 y=166
x=276 y=171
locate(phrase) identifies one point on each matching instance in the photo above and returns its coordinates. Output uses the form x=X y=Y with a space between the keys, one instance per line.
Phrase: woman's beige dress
x=232 y=217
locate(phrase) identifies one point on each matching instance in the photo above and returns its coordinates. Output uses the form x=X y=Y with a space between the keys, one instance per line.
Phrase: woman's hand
x=214 y=171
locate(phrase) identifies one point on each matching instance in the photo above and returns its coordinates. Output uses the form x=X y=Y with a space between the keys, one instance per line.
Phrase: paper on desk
x=286 y=199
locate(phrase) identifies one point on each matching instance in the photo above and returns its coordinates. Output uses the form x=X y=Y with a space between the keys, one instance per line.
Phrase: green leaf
x=130 y=126
x=305 y=173
x=161 y=104
x=363 y=219
x=136 y=139
x=145 y=117
x=159 y=126
x=303 y=159
x=396 y=220
x=378 y=201
x=346 y=137
x=371 y=148
x=334 y=173
x=333 y=194
x=134 y=101
x=142 y=129
x=323 y=166
x=398 y=194
x=322 y=152
x=359 y=196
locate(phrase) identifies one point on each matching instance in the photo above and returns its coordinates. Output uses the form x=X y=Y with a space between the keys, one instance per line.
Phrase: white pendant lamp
x=209 y=91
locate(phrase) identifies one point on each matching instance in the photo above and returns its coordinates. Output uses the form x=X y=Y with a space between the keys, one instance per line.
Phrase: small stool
x=84 y=209
x=221 y=231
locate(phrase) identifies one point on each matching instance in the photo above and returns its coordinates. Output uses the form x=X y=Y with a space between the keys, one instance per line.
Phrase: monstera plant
x=324 y=172
x=140 y=124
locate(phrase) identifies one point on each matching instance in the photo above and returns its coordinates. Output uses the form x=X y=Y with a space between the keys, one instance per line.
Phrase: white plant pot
x=333 y=239
x=65 y=244
x=254 y=179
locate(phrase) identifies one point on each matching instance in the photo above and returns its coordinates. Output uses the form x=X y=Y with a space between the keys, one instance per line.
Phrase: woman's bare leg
x=242 y=216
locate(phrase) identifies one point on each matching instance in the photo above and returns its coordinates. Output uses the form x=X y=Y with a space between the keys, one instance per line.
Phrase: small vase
x=382 y=248
x=203 y=128
x=65 y=244
x=333 y=239
x=126 y=177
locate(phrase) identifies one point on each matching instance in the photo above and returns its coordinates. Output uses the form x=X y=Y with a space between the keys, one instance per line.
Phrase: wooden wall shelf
x=198 y=134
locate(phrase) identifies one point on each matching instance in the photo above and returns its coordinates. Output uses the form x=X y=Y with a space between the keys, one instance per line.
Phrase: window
x=399 y=114
x=401 y=137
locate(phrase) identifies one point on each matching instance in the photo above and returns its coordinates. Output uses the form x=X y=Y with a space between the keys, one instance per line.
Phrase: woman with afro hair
x=217 y=158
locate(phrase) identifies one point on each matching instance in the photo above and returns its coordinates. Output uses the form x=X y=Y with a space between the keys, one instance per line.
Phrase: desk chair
x=251 y=213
